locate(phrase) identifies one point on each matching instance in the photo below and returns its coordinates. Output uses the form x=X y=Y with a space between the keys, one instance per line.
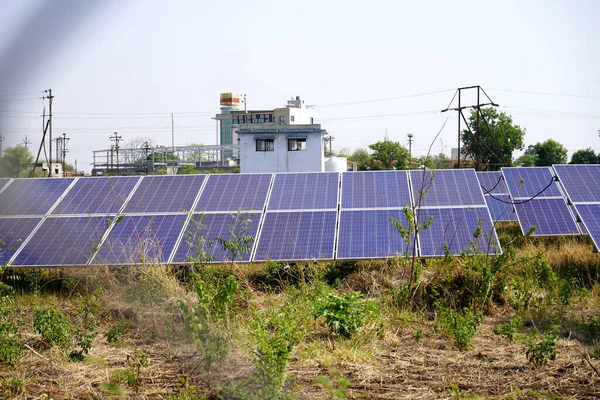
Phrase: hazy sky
x=142 y=60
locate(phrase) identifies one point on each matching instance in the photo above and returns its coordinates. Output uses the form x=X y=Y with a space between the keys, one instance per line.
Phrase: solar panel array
x=581 y=184
x=296 y=216
x=496 y=195
x=539 y=203
x=454 y=213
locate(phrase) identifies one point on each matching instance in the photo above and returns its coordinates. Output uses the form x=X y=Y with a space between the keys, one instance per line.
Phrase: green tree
x=362 y=158
x=439 y=161
x=388 y=155
x=14 y=162
x=493 y=140
x=585 y=156
x=526 y=160
x=550 y=152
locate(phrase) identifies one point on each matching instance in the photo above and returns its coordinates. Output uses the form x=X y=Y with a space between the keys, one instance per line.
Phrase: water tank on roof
x=297 y=97
x=336 y=164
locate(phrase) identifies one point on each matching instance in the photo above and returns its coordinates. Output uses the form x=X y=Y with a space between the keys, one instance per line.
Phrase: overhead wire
x=515 y=202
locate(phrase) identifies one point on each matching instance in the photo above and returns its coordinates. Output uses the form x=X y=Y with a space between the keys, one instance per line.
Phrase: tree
x=585 y=156
x=362 y=158
x=550 y=152
x=388 y=155
x=493 y=140
x=14 y=161
x=526 y=160
x=439 y=161
x=139 y=142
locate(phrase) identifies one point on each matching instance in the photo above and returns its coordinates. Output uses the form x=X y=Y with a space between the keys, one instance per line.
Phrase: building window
x=296 y=144
x=265 y=145
x=282 y=118
x=291 y=118
x=270 y=117
x=311 y=120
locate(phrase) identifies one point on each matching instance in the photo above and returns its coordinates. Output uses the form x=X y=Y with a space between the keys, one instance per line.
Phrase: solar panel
x=590 y=215
x=62 y=241
x=492 y=182
x=96 y=195
x=230 y=192
x=3 y=182
x=375 y=189
x=297 y=236
x=457 y=230
x=370 y=234
x=140 y=239
x=165 y=194
x=446 y=187
x=304 y=191
x=581 y=182
x=549 y=216
x=204 y=230
x=527 y=182
x=13 y=232
x=501 y=208
x=32 y=196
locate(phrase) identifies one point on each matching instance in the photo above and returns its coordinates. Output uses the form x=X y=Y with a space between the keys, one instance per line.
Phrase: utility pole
x=26 y=142
x=115 y=136
x=65 y=139
x=461 y=116
x=172 y=142
x=50 y=98
x=410 y=140
x=146 y=148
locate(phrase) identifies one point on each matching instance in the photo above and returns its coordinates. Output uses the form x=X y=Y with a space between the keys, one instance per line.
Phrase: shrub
x=52 y=325
x=510 y=329
x=10 y=345
x=539 y=348
x=335 y=385
x=343 y=315
x=461 y=326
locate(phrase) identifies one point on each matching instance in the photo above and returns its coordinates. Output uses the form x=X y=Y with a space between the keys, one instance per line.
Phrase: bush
x=539 y=348
x=10 y=345
x=343 y=315
x=54 y=327
x=461 y=326
x=510 y=329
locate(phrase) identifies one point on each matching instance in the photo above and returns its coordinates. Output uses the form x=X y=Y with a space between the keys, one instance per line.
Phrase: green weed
x=343 y=315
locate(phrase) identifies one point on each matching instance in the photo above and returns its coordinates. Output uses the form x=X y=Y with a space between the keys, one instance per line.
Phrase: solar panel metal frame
x=45 y=180
x=425 y=203
x=7 y=181
x=492 y=230
x=74 y=185
x=537 y=232
x=24 y=239
x=262 y=231
x=39 y=227
x=566 y=182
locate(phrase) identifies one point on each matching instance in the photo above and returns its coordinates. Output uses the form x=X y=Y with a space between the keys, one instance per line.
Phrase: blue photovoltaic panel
x=590 y=215
x=446 y=187
x=304 y=191
x=62 y=242
x=230 y=192
x=375 y=189
x=581 y=182
x=297 y=236
x=526 y=182
x=550 y=217
x=96 y=195
x=32 y=196
x=456 y=229
x=501 y=208
x=370 y=234
x=3 y=182
x=13 y=232
x=165 y=194
x=205 y=229
x=492 y=182
x=141 y=239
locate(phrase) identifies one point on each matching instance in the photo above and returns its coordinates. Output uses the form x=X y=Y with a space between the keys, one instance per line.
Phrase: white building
x=280 y=140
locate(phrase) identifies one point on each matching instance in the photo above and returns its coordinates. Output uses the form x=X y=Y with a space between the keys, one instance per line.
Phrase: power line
x=546 y=93
x=379 y=116
x=350 y=103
